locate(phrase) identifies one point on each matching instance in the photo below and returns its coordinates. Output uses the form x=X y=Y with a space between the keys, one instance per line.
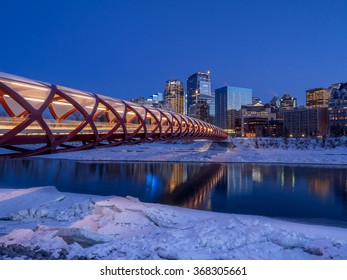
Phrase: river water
x=302 y=193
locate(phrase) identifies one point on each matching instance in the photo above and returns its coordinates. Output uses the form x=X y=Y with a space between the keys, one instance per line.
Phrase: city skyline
x=117 y=49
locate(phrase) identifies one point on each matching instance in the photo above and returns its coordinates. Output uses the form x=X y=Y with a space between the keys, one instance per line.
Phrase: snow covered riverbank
x=42 y=223
x=265 y=150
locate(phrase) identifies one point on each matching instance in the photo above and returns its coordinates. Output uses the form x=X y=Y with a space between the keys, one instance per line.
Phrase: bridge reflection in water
x=181 y=184
x=195 y=191
x=37 y=118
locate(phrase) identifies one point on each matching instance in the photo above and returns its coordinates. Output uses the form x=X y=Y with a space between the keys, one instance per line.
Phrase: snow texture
x=254 y=150
x=42 y=223
x=58 y=225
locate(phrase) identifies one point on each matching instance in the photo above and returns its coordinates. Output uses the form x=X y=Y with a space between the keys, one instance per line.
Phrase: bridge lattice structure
x=38 y=118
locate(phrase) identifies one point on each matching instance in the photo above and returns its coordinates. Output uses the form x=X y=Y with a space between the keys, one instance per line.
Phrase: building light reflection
x=257 y=174
x=288 y=178
x=237 y=183
x=195 y=192
x=153 y=184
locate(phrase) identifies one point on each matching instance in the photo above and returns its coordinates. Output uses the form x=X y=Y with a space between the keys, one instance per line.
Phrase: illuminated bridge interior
x=38 y=118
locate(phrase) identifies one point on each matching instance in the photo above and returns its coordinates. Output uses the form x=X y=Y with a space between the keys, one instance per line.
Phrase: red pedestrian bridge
x=38 y=118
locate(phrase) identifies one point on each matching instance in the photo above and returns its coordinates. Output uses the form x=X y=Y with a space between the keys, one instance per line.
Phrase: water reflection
x=181 y=184
x=287 y=178
x=195 y=192
x=272 y=190
x=320 y=186
x=300 y=192
x=329 y=183
x=238 y=180
x=178 y=176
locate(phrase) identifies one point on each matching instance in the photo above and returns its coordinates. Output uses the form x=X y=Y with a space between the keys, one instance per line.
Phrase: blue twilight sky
x=129 y=48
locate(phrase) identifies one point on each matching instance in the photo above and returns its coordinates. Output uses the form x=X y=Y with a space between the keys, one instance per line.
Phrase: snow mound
x=126 y=228
x=167 y=218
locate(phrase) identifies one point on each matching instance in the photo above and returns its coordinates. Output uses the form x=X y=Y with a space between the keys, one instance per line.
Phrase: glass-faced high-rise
x=174 y=95
x=199 y=95
x=230 y=99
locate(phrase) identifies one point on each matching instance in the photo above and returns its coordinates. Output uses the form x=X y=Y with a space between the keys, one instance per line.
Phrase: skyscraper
x=199 y=95
x=156 y=97
x=229 y=99
x=318 y=98
x=337 y=109
x=174 y=95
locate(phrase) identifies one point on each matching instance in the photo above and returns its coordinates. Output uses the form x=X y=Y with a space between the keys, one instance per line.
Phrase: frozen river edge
x=42 y=223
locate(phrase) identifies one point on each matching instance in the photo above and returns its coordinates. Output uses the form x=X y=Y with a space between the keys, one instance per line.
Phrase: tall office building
x=199 y=95
x=212 y=108
x=318 y=98
x=156 y=97
x=228 y=100
x=337 y=109
x=174 y=95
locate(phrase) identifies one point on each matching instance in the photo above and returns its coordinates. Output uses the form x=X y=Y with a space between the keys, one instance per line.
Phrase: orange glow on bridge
x=38 y=118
